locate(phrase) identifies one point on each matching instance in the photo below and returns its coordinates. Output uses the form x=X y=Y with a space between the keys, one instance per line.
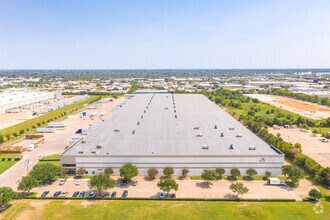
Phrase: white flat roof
x=161 y=133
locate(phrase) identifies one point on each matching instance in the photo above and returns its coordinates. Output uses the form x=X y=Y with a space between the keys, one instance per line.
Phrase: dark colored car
x=106 y=195
x=92 y=194
x=125 y=194
x=124 y=182
x=173 y=195
x=56 y=194
x=44 y=194
x=51 y=181
x=75 y=194
x=113 y=194
x=82 y=194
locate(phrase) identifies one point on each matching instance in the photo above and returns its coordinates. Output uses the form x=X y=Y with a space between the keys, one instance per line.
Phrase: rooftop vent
x=138 y=123
x=199 y=135
x=215 y=126
x=196 y=128
x=80 y=152
x=141 y=116
x=133 y=132
x=144 y=111
x=231 y=147
x=239 y=135
x=231 y=128
x=221 y=135
x=116 y=130
x=83 y=142
x=98 y=146
x=252 y=148
x=205 y=147
x=93 y=152
x=175 y=116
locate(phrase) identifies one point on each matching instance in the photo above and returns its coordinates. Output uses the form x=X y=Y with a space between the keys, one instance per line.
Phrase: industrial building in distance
x=12 y=100
x=156 y=129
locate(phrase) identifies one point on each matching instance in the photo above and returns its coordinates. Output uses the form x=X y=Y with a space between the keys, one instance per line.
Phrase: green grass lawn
x=53 y=157
x=4 y=165
x=56 y=163
x=74 y=209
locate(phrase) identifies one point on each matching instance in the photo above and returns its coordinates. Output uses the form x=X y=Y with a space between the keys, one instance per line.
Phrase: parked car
x=106 y=195
x=92 y=194
x=75 y=194
x=113 y=194
x=52 y=181
x=82 y=194
x=125 y=194
x=44 y=193
x=57 y=193
x=124 y=182
x=78 y=182
x=134 y=182
x=63 y=194
x=161 y=195
x=62 y=181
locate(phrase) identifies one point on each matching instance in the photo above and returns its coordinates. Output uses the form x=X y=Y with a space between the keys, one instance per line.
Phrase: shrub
x=168 y=171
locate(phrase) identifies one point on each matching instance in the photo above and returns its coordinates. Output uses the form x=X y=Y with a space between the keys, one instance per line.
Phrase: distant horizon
x=49 y=69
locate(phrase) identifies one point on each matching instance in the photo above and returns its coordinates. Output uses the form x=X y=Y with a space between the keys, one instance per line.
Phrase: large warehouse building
x=157 y=130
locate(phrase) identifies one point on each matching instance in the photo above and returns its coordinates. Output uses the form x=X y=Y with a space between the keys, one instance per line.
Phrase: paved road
x=55 y=143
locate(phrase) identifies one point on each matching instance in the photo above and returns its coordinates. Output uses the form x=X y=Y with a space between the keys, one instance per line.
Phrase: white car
x=78 y=182
x=62 y=181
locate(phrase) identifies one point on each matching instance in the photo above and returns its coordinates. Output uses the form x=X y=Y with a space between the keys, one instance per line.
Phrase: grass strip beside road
x=74 y=209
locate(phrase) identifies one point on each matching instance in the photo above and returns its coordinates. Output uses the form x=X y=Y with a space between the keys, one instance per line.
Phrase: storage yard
x=156 y=130
x=311 y=145
x=306 y=109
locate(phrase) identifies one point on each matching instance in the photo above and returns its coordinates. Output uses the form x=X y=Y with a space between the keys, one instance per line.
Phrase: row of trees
x=258 y=124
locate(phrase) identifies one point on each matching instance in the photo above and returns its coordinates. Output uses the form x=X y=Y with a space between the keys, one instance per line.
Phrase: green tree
x=27 y=183
x=152 y=173
x=315 y=194
x=208 y=175
x=239 y=188
x=167 y=185
x=6 y=195
x=251 y=172
x=101 y=182
x=168 y=171
x=128 y=171
x=293 y=173
x=268 y=174
x=235 y=173
x=80 y=172
x=108 y=171
x=44 y=172
x=220 y=171
x=184 y=173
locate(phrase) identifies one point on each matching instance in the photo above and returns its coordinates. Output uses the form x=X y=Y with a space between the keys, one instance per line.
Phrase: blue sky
x=152 y=34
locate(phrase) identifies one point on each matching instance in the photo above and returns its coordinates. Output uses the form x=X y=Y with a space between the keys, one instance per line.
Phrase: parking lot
x=187 y=189
x=311 y=144
x=55 y=143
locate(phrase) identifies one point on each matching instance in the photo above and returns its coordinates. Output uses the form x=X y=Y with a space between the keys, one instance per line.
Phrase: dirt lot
x=306 y=109
x=10 y=119
x=55 y=143
x=311 y=145
x=189 y=189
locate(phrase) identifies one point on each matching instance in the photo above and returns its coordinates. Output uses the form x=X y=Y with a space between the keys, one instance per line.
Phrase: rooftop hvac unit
x=133 y=132
x=83 y=142
x=144 y=111
x=116 y=130
x=141 y=116
x=252 y=148
x=231 y=147
x=199 y=135
x=215 y=126
x=80 y=152
x=231 y=128
x=196 y=128
x=93 y=152
x=221 y=135
x=239 y=135
x=205 y=147
x=138 y=123
x=98 y=146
